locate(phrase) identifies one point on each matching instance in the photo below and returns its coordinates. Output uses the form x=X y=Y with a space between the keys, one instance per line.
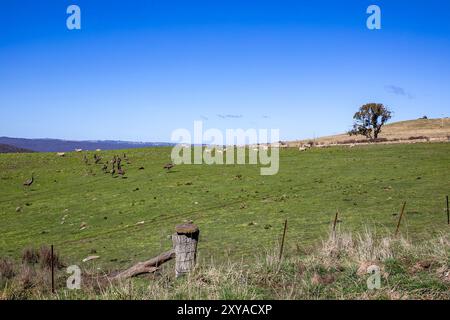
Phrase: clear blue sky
x=137 y=70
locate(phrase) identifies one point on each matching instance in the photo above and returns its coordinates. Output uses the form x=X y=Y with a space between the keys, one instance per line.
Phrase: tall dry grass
x=335 y=269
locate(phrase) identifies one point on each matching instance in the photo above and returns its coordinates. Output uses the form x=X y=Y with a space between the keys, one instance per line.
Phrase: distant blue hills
x=57 y=145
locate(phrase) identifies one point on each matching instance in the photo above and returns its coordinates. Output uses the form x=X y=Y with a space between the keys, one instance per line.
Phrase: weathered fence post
x=185 y=245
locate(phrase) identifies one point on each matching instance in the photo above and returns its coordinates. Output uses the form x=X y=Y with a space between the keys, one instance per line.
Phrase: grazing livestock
x=29 y=182
x=60 y=154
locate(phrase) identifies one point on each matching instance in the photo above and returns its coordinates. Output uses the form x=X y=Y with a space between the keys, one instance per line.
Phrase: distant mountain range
x=57 y=145
x=6 y=148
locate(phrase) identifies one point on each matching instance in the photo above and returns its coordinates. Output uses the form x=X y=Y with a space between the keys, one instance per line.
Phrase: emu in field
x=97 y=159
x=120 y=171
x=105 y=167
x=85 y=159
x=169 y=166
x=113 y=170
x=29 y=182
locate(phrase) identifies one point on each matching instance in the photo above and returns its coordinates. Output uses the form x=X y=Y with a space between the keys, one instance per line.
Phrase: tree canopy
x=369 y=120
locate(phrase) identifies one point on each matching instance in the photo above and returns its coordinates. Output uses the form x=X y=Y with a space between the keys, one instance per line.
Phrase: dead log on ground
x=148 y=266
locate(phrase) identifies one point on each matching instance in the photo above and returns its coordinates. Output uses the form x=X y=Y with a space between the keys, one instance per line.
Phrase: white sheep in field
x=78 y=150
x=302 y=149
x=60 y=154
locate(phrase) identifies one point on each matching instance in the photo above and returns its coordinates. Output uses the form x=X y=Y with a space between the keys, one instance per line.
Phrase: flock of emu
x=114 y=168
x=115 y=162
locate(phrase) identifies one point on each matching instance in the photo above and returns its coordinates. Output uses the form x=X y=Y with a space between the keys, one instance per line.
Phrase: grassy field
x=240 y=213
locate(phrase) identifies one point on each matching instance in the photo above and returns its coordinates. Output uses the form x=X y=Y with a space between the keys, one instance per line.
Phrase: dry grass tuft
x=6 y=268
x=30 y=256
x=45 y=258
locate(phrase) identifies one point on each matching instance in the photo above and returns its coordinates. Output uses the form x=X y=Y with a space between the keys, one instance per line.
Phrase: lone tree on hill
x=369 y=120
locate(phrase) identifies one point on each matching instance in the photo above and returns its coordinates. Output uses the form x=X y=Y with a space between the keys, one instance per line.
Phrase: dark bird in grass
x=120 y=171
x=169 y=166
x=97 y=159
x=113 y=170
x=85 y=159
x=29 y=182
x=105 y=167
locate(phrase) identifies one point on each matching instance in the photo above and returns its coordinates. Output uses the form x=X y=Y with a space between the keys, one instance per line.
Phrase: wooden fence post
x=52 y=269
x=184 y=242
x=400 y=219
x=448 y=211
x=335 y=222
x=282 y=240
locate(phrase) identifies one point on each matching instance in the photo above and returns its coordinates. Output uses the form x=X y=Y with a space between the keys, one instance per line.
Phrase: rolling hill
x=432 y=129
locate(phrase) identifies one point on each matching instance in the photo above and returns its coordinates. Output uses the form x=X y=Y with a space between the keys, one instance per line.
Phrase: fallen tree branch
x=148 y=266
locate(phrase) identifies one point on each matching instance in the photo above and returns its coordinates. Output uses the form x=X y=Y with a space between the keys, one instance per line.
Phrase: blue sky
x=137 y=70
